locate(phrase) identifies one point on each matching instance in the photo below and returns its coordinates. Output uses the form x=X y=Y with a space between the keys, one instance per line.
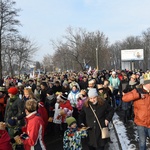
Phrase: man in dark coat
x=84 y=83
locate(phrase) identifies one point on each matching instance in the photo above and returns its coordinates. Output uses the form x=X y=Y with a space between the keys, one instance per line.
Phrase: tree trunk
x=0 y=57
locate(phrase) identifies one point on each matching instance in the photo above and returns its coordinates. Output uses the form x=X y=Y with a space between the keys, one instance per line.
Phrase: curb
x=120 y=131
x=120 y=147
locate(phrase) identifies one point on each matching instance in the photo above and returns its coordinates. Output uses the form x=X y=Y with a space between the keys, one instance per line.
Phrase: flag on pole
x=89 y=70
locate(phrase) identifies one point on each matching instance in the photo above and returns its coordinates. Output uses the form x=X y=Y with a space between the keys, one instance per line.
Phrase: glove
x=12 y=122
x=18 y=139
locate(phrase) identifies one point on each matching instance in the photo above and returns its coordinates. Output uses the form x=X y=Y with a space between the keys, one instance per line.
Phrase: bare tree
x=18 y=51
x=8 y=23
x=146 y=46
x=25 y=50
x=47 y=63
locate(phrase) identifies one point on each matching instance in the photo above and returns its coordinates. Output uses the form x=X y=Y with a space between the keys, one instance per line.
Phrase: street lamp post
x=97 y=59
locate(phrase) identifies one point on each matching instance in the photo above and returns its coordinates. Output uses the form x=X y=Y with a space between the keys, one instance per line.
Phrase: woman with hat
x=14 y=109
x=104 y=113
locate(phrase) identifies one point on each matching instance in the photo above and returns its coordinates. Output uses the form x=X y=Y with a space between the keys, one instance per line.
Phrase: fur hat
x=13 y=90
x=70 y=121
x=92 y=92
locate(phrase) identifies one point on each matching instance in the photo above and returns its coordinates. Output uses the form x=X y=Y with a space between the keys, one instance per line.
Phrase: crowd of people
x=62 y=104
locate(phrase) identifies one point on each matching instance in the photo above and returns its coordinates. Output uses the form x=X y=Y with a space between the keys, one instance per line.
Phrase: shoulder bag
x=104 y=131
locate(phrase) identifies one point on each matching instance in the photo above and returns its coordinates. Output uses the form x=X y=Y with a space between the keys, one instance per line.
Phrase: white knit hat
x=113 y=72
x=92 y=92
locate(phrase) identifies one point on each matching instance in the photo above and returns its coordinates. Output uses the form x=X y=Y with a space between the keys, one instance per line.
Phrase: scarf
x=72 y=131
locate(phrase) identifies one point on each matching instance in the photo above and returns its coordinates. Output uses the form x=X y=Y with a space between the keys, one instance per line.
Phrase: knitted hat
x=12 y=122
x=92 y=92
x=64 y=96
x=13 y=90
x=70 y=121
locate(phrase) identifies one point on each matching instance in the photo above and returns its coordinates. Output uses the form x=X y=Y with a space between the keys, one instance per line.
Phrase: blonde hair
x=31 y=105
x=29 y=92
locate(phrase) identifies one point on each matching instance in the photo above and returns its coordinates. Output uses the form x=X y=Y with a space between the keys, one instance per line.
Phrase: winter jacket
x=35 y=132
x=141 y=107
x=67 y=108
x=114 y=82
x=44 y=115
x=5 y=140
x=87 y=117
x=72 y=139
x=14 y=108
x=73 y=98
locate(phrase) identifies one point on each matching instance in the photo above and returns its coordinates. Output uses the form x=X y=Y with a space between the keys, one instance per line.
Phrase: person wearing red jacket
x=34 y=136
x=141 y=101
x=4 y=138
x=43 y=113
x=65 y=110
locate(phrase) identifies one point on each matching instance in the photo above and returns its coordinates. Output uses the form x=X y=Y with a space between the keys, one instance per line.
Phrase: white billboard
x=132 y=54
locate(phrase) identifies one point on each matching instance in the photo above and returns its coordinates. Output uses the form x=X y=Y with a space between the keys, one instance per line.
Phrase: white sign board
x=132 y=54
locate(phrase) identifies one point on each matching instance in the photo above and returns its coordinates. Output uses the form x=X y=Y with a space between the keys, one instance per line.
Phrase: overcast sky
x=43 y=20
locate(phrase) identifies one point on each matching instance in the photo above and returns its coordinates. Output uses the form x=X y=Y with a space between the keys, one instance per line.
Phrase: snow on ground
x=114 y=144
x=122 y=134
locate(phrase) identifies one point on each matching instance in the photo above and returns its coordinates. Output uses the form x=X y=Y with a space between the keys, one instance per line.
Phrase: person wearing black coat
x=84 y=83
x=44 y=89
x=104 y=113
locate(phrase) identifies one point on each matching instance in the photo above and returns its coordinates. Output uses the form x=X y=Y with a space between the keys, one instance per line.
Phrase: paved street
x=57 y=144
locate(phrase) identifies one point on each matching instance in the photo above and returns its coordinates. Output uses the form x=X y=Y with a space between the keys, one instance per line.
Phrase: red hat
x=13 y=90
